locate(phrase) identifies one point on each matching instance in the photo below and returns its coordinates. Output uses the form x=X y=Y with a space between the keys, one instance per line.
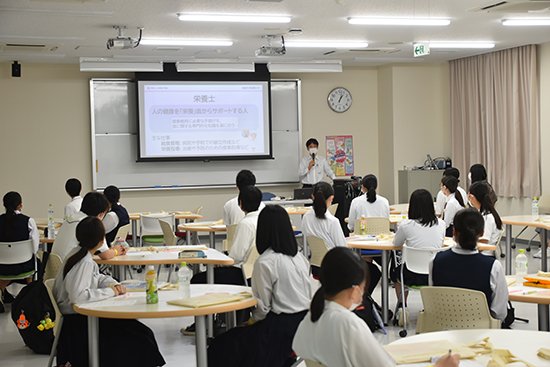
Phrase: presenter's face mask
x=312 y=150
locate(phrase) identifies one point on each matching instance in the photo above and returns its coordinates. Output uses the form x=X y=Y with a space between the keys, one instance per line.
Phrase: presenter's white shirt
x=232 y=212
x=416 y=235
x=66 y=241
x=316 y=173
x=361 y=207
x=280 y=284
x=245 y=238
x=339 y=339
x=73 y=207
x=451 y=208
x=327 y=229
x=441 y=200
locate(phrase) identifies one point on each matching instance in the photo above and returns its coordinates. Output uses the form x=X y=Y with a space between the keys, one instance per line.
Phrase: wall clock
x=339 y=99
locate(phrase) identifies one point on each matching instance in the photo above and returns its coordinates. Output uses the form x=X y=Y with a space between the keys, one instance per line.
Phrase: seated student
x=421 y=230
x=281 y=284
x=368 y=205
x=441 y=199
x=479 y=173
x=319 y=222
x=73 y=187
x=449 y=185
x=94 y=204
x=330 y=333
x=464 y=267
x=117 y=217
x=15 y=226
x=480 y=198
x=81 y=282
x=232 y=212
x=313 y=167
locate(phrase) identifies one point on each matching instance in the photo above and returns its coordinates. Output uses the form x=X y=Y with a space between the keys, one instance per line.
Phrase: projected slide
x=203 y=120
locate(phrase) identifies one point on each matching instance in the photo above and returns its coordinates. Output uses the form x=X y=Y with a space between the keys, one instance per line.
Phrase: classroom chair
x=53 y=266
x=16 y=253
x=374 y=226
x=150 y=230
x=58 y=320
x=168 y=235
x=318 y=249
x=448 y=308
x=183 y=234
x=230 y=235
x=333 y=208
x=418 y=261
x=122 y=233
x=248 y=266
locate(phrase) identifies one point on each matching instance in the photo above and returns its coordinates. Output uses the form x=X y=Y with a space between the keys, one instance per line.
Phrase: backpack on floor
x=34 y=316
x=370 y=312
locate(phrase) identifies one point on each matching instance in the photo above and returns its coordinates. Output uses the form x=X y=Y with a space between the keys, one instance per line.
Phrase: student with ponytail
x=15 y=227
x=81 y=282
x=370 y=204
x=464 y=267
x=319 y=222
x=478 y=173
x=330 y=333
x=455 y=202
x=480 y=198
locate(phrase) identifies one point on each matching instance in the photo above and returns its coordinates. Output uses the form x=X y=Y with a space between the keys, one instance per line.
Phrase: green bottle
x=151 y=290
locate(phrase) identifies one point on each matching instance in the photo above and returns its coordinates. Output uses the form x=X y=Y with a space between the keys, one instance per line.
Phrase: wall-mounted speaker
x=16 y=69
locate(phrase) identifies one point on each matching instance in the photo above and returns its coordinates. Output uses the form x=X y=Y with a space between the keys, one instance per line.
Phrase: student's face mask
x=312 y=150
x=358 y=297
x=469 y=177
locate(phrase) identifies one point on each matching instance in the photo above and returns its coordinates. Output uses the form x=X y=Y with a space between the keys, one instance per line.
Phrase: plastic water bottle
x=535 y=207
x=184 y=280
x=521 y=266
x=51 y=226
x=151 y=291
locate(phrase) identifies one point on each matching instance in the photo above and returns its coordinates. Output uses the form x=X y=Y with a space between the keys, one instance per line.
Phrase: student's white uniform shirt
x=327 y=229
x=232 y=212
x=245 y=238
x=361 y=207
x=280 y=284
x=490 y=231
x=499 y=288
x=73 y=207
x=452 y=207
x=339 y=339
x=34 y=235
x=441 y=200
x=315 y=174
x=82 y=284
x=66 y=241
x=418 y=236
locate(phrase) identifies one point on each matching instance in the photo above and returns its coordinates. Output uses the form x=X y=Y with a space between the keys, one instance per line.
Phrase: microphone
x=312 y=156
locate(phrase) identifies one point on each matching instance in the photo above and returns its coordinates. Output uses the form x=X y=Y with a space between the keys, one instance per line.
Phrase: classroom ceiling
x=62 y=31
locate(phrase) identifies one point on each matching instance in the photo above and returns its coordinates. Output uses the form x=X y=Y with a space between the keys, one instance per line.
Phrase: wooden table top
x=297 y=210
x=519 y=293
x=386 y=243
x=543 y=221
x=166 y=255
x=133 y=306
x=177 y=215
x=46 y=240
x=202 y=227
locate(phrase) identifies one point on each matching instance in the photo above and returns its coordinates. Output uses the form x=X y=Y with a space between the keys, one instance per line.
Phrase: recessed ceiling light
x=184 y=42
x=400 y=21
x=327 y=44
x=461 y=44
x=526 y=21
x=235 y=18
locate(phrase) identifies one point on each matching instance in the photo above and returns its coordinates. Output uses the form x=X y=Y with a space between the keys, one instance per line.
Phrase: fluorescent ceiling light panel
x=449 y=44
x=305 y=67
x=327 y=44
x=120 y=66
x=526 y=21
x=215 y=66
x=234 y=18
x=184 y=42
x=400 y=21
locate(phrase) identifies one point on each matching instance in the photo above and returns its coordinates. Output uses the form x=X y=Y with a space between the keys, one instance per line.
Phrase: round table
x=133 y=306
x=539 y=296
x=523 y=344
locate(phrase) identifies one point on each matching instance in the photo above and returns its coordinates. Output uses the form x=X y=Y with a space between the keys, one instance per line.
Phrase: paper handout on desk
x=210 y=299
x=424 y=351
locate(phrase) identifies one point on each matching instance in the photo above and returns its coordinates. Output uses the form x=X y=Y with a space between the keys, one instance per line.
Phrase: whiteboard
x=113 y=105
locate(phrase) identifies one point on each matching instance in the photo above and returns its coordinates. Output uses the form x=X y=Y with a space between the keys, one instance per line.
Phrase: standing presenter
x=313 y=167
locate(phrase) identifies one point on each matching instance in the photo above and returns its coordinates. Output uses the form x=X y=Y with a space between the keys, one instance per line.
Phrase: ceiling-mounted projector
x=121 y=42
x=270 y=50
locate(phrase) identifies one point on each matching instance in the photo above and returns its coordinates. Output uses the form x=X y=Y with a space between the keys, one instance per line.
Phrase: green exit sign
x=421 y=49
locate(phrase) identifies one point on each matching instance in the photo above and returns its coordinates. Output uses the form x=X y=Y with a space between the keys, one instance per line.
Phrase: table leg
x=118 y=272
x=508 y=251
x=188 y=235
x=134 y=233
x=306 y=249
x=544 y=324
x=210 y=280
x=544 y=250
x=200 y=341
x=212 y=237
x=385 y=286
x=93 y=341
x=230 y=320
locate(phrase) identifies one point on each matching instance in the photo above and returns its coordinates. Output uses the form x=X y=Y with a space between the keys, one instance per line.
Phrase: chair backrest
x=53 y=266
x=418 y=259
x=248 y=265
x=310 y=363
x=150 y=223
x=170 y=238
x=16 y=252
x=58 y=315
x=447 y=308
x=122 y=232
x=318 y=249
x=374 y=225
x=197 y=210
x=333 y=208
x=230 y=235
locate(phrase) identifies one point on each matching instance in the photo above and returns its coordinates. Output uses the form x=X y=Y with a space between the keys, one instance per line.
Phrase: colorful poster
x=340 y=154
